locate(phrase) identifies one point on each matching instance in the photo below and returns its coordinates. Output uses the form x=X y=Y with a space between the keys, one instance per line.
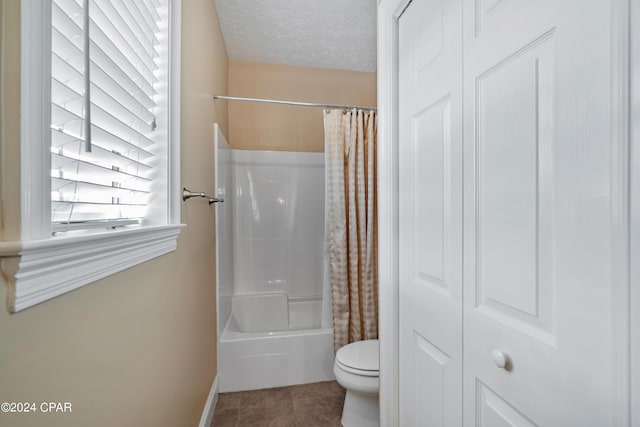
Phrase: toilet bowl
x=357 y=369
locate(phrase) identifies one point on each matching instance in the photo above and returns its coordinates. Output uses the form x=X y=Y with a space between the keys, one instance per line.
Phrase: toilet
x=357 y=369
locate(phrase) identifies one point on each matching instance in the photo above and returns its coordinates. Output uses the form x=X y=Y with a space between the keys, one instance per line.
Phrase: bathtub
x=259 y=350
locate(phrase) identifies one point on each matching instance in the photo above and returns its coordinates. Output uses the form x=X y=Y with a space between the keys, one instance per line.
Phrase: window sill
x=44 y=269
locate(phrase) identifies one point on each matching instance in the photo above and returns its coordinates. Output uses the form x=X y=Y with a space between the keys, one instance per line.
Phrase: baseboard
x=210 y=404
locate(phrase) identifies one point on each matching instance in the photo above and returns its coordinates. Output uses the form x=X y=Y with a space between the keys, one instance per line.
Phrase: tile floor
x=305 y=405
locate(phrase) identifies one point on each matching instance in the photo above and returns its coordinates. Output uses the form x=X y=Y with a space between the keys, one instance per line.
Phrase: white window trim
x=50 y=266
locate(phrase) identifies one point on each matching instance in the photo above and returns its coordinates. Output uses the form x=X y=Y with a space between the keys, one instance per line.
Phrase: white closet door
x=430 y=197
x=538 y=213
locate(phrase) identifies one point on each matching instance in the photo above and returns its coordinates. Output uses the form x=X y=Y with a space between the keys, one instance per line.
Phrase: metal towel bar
x=186 y=194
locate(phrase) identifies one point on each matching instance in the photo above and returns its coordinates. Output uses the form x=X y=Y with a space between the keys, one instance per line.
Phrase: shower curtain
x=351 y=230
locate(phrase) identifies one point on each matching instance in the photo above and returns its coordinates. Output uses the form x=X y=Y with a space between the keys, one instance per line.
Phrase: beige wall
x=9 y=119
x=137 y=348
x=255 y=126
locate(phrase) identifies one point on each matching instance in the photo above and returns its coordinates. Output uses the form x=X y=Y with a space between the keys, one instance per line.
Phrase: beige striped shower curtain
x=351 y=223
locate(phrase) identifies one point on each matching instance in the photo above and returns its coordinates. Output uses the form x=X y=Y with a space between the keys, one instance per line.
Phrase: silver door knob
x=500 y=359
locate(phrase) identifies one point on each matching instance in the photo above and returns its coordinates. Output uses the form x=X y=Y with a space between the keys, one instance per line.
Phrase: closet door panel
x=430 y=195
x=514 y=190
x=537 y=213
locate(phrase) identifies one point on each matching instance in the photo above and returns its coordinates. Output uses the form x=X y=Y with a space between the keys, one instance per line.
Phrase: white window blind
x=104 y=89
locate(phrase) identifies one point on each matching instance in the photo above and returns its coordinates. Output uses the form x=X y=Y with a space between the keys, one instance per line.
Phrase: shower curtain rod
x=299 y=104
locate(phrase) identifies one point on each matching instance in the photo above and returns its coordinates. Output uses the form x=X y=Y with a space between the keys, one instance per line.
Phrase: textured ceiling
x=313 y=33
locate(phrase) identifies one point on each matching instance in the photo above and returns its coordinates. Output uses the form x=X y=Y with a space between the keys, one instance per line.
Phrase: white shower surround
x=278 y=216
x=270 y=255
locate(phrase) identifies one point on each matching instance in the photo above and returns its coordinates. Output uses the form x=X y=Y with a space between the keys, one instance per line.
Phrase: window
x=100 y=111
x=105 y=61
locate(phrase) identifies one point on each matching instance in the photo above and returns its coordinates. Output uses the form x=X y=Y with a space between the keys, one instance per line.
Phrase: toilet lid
x=360 y=355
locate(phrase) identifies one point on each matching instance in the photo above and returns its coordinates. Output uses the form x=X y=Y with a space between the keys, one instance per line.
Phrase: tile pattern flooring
x=304 y=405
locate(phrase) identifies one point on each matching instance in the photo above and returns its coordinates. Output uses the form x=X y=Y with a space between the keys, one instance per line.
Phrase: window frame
x=52 y=265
